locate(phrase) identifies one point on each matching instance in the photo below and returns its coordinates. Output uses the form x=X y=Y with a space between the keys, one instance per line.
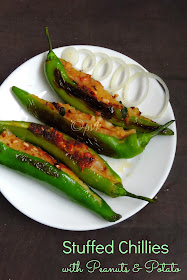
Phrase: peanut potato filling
x=91 y=86
x=76 y=150
x=91 y=122
x=9 y=139
x=95 y=123
x=72 y=148
x=134 y=112
x=95 y=88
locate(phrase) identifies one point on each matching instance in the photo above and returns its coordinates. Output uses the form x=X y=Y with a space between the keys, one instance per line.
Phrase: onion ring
x=70 y=54
x=121 y=68
x=104 y=55
x=141 y=99
x=118 y=60
x=106 y=60
x=89 y=62
x=167 y=96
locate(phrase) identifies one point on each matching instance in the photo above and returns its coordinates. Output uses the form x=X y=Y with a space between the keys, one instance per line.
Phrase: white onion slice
x=113 y=86
x=166 y=101
x=70 y=54
x=106 y=60
x=118 y=60
x=104 y=55
x=89 y=62
x=126 y=88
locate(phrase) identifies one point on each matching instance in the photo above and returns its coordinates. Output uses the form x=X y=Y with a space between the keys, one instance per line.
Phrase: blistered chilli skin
x=90 y=86
x=78 y=151
x=102 y=143
x=83 y=93
x=95 y=88
x=74 y=149
x=17 y=144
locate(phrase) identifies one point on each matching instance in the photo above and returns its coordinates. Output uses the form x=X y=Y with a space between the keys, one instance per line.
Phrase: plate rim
x=159 y=186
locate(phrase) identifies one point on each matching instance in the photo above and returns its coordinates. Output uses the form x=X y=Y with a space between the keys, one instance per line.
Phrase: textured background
x=154 y=33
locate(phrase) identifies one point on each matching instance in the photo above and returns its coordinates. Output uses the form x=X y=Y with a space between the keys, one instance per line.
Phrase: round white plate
x=143 y=175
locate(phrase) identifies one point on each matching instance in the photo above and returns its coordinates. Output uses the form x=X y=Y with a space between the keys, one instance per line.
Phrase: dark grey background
x=154 y=33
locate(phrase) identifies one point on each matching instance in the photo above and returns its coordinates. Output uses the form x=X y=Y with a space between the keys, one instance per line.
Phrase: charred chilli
x=87 y=95
x=96 y=132
x=82 y=160
x=31 y=160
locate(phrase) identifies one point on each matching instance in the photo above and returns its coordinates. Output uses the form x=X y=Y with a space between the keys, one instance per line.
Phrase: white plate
x=143 y=175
